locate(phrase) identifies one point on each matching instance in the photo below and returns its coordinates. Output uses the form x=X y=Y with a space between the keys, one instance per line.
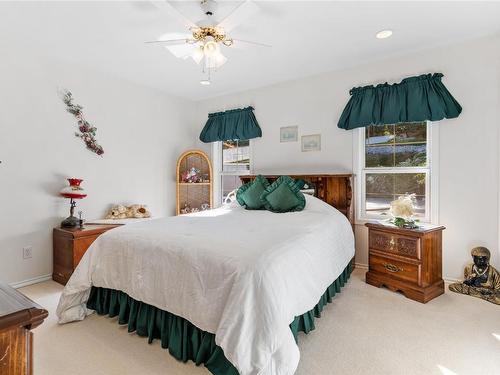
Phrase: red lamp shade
x=74 y=190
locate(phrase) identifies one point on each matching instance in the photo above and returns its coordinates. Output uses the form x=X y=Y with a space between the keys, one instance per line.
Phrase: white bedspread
x=243 y=275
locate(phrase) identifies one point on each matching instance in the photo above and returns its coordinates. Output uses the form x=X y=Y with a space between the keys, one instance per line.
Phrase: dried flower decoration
x=87 y=132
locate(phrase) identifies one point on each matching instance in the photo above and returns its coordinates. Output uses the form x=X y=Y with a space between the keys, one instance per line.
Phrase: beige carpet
x=365 y=330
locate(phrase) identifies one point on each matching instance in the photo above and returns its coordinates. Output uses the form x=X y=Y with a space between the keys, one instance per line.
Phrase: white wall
x=142 y=131
x=468 y=156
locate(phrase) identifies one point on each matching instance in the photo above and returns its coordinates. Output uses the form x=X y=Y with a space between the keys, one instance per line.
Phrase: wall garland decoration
x=86 y=132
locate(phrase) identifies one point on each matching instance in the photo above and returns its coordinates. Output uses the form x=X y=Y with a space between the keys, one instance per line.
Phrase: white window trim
x=218 y=173
x=432 y=187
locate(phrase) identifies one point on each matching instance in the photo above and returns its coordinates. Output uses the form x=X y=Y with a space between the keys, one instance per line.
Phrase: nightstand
x=70 y=245
x=18 y=316
x=406 y=260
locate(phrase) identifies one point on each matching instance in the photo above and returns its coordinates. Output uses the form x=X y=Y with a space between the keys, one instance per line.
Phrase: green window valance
x=233 y=124
x=414 y=99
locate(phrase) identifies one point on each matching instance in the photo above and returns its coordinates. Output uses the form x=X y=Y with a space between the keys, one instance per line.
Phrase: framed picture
x=289 y=134
x=311 y=142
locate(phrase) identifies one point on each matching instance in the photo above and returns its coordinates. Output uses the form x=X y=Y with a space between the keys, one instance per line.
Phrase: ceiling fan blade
x=239 y=15
x=171 y=41
x=237 y=41
x=181 y=50
x=170 y=9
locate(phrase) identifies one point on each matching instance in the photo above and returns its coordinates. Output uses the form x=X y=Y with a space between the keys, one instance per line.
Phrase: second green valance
x=414 y=99
x=234 y=124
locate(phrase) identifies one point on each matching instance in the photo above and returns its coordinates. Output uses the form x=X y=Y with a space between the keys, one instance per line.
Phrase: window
x=233 y=160
x=395 y=160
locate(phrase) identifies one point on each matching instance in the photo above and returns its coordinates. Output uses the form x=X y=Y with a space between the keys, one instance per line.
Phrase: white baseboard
x=449 y=280
x=361 y=266
x=40 y=279
x=34 y=280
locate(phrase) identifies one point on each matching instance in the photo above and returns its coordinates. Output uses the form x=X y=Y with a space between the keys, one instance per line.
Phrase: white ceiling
x=307 y=37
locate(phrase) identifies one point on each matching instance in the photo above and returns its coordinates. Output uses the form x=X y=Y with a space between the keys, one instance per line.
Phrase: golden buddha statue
x=480 y=278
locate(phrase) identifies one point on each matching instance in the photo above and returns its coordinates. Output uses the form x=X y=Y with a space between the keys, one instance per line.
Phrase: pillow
x=301 y=183
x=283 y=195
x=249 y=194
x=305 y=187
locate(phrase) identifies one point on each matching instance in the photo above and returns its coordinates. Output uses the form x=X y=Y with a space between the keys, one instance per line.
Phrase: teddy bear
x=138 y=211
x=117 y=212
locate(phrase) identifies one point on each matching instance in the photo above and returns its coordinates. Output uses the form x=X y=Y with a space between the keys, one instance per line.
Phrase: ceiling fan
x=207 y=37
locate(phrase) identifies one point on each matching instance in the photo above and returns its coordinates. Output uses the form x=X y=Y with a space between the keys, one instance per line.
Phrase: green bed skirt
x=183 y=340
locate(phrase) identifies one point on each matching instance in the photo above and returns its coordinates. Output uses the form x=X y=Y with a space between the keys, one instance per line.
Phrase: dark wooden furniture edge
x=420 y=294
x=22 y=311
x=411 y=232
x=18 y=315
x=87 y=231
x=29 y=319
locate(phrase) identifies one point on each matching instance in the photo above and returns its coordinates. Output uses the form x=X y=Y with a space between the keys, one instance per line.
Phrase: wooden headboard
x=334 y=189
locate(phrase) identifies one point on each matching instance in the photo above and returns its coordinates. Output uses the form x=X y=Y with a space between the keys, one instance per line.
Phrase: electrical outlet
x=27 y=252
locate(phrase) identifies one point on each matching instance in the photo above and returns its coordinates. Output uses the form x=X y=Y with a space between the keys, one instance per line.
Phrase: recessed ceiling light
x=384 y=34
x=205 y=82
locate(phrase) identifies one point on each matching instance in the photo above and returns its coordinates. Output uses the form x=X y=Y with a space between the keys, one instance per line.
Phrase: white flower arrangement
x=403 y=206
x=402 y=210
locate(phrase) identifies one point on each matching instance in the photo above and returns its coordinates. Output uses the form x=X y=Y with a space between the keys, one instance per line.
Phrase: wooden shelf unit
x=194 y=194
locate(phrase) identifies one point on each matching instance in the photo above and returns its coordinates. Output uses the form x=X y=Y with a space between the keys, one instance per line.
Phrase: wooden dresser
x=70 y=245
x=406 y=260
x=18 y=315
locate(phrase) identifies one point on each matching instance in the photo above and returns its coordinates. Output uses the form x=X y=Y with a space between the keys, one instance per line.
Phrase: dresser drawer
x=395 y=243
x=397 y=269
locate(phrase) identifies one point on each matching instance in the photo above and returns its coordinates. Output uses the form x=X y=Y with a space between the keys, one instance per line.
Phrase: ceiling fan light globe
x=215 y=61
x=211 y=48
x=220 y=59
x=198 y=54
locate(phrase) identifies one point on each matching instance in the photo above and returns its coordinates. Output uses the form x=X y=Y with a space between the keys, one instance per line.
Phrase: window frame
x=431 y=171
x=219 y=173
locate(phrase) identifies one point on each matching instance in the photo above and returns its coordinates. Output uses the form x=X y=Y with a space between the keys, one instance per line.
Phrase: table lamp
x=73 y=191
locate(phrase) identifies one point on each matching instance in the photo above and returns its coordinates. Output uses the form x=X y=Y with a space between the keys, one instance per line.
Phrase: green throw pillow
x=249 y=194
x=283 y=195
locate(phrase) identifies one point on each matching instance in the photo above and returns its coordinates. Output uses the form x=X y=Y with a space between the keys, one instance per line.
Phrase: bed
x=229 y=288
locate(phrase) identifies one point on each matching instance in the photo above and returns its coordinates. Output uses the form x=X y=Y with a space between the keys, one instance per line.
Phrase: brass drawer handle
x=392 y=268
